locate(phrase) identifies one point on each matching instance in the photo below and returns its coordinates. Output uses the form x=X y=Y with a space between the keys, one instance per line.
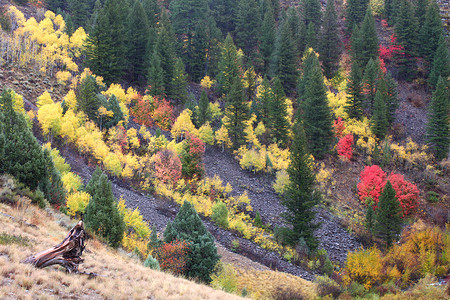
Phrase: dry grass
x=267 y=284
x=120 y=277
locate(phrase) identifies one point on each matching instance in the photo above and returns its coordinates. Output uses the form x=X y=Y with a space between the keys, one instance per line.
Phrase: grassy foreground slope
x=120 y=277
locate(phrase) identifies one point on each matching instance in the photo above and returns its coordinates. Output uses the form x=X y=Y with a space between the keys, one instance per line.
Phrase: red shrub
x=339 y=127
x=384 y=23
x=344 y=146
x=167 y=166
x=373 y=180
x=142 y=111
x=163 y=114
x=172 y=256
x=406 y=193
x=191 y=158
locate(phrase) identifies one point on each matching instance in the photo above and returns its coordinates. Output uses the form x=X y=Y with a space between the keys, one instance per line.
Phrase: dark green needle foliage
x=388 y=220
x=441 y=63
x=202 y=255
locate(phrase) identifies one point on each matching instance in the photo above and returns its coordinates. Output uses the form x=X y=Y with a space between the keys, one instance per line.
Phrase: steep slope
x=119 y=276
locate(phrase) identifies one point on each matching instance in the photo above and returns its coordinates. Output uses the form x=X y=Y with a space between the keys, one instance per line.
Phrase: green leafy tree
x=441 y=63
x=388 y=219
x=137 y=39
x=22 y=155
x=229 y=66
x=330 y=45
x=316 y=115
x=102 y=215
x=430 y=32
x=237 y=112
x=284 y=59
x=379 y=122
x=438 y=127
x=354 y=107
x=202 y=256
x=278 y=115
x=300 y=197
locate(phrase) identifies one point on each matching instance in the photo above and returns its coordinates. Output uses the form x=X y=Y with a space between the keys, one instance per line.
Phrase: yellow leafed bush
x=77 y=202
x=364 y=267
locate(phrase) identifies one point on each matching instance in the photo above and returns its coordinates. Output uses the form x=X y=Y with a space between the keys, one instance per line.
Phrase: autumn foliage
x=344 y=146
x=339 y=127
x=172 y=256
x=148 y=110
x=167 y=166
x=372 y=181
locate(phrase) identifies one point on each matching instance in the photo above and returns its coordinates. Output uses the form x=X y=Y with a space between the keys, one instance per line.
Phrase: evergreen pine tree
x=102 y=215
x=113 y=106
x=203 y=109
x=156 y=75
x=372 y=75
x=438 y=127
x=370 y=219
x=278 y=115
x=54 y=5
x=367 y=40
x=79 y=11
x=420 y=12
x=300 y=197
x=388 y=88
x=197 y=64
x=94 y=16
x=264 y=100
x=430 y=32
x=293 y=19
x=247 y=23
x=224 y=12
x=202 y=256
x=267 y=37
x=51 y=185
x=250 y=83
x=354 y=13
x=441 y=63
x=179 y=83
x=316 y=111
x=311 y=37
x=406 y=33
x=237 y=112
x=330 y=43
x=137 y=40
x=87 y=100
x=311 y=12
x=354 y=107
x=388 y=222
x=22 y=155
x=229 y=65
x=379 y=122
x=284 y=59
x=389 y=10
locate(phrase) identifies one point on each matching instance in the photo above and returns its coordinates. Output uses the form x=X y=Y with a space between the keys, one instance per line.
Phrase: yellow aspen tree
x=206 y=134
x=222 y=138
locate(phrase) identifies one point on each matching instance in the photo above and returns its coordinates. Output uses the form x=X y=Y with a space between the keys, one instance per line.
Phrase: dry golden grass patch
x=120 y=277
x=265 y=284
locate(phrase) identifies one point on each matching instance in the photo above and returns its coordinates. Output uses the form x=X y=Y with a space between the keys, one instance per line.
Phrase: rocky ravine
x=332 y=237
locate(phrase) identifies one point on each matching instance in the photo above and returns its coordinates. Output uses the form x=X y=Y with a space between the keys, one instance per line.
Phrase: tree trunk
x=67 y=253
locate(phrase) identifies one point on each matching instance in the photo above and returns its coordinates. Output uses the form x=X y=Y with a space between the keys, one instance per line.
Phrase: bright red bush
x=142 y=111
x=372 y=181
x=163 y=114
x=152 y=110
x=406 y=192
x=384 y=23
x=339 y=127
x=172 y=256
x=167 y=166
x=344 y=146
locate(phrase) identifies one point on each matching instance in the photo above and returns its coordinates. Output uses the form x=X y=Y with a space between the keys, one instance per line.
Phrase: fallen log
x=67 y=253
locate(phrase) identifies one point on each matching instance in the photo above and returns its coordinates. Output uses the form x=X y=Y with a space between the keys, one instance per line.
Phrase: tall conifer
x=388 y=222
x=354 y=107
x=330 y=43
x=441 y=63
x=237 y=112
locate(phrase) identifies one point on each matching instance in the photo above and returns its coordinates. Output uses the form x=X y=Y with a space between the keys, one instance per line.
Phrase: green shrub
x=432 y=197
x=235 y=245
x=356 y=289
x=8 y=239
x=102 y=215
x=327 y=286
x=151 y=263
x=224 y=278
x=258 y=221
x=38 y=198
x=220 y=214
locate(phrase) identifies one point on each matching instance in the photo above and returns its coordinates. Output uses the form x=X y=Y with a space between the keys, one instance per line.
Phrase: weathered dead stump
x=67 y=253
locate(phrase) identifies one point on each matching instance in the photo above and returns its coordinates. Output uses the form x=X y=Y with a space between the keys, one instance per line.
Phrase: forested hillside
x=215 y=139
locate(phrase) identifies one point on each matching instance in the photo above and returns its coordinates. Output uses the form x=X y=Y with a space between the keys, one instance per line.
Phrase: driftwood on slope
x=67 y=253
